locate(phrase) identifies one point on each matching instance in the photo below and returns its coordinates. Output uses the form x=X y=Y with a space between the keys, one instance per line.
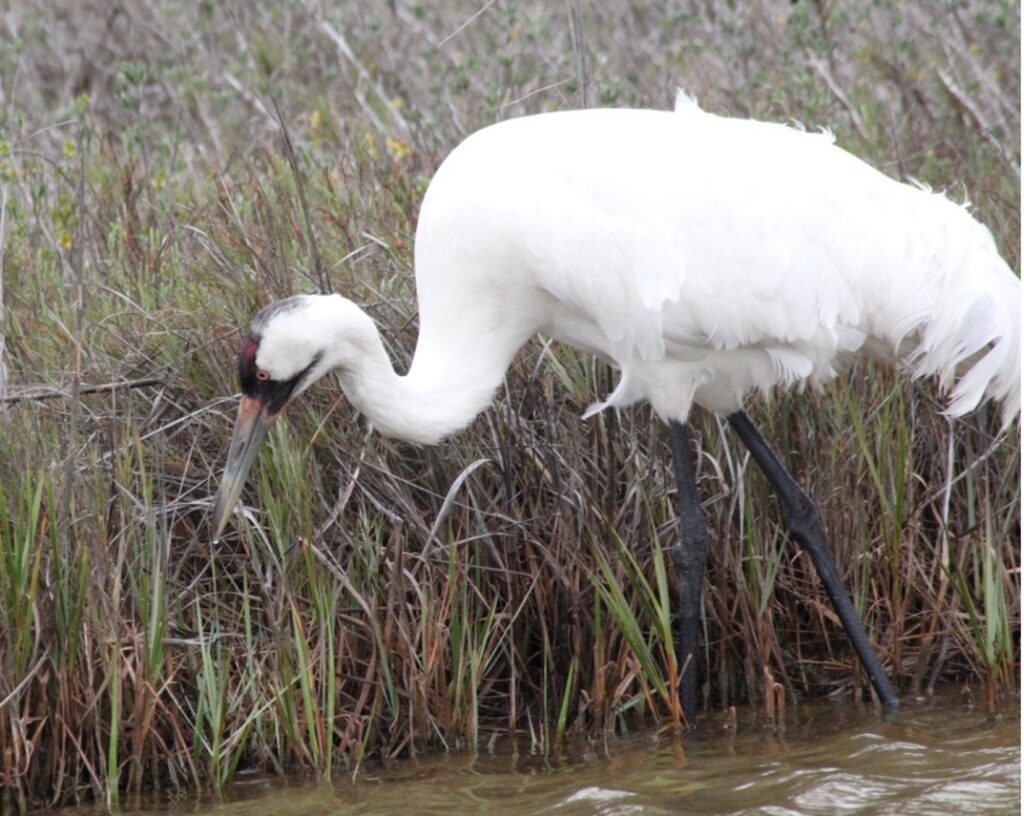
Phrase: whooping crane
x=703 y=256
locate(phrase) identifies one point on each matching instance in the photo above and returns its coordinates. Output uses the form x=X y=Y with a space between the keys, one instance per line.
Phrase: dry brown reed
x=380 y=599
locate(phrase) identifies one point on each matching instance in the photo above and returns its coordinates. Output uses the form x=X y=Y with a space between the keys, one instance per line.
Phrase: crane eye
x=262 y=375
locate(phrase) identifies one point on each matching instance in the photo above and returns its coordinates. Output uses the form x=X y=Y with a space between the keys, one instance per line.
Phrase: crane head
x=277 y=361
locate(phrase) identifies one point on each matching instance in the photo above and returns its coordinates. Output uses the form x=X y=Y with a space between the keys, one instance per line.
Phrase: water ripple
x=828 y=759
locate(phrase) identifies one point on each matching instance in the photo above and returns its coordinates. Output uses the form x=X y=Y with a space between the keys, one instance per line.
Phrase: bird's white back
x=704 y=256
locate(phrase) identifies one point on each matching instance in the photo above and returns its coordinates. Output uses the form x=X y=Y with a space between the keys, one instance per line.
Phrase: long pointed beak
x=254 y=420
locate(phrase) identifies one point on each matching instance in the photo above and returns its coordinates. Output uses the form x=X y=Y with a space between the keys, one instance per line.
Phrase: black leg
x=689 y=556
x=805 y=528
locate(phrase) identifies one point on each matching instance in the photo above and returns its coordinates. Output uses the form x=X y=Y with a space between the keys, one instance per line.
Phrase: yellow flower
x=399 y=149
x=371 y=148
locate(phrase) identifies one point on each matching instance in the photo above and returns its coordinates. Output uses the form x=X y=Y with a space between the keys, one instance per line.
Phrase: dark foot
x=689 y=556
x=805 y=528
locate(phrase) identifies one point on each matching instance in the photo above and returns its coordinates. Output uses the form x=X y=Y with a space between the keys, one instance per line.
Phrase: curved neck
x=453 y=377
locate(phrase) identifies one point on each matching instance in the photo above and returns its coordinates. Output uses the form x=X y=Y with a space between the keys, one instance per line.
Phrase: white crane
x=705 y=257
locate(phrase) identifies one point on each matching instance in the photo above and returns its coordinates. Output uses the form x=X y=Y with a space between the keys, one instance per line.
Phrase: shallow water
x=934 y=757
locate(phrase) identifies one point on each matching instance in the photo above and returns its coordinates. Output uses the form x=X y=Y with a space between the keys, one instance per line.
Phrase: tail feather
x=974 y=348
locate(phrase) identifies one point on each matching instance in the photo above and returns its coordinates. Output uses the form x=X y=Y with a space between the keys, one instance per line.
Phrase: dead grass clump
x=381 y=599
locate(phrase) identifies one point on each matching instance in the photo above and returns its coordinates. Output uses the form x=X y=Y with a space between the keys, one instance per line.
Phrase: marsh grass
x=375 y=599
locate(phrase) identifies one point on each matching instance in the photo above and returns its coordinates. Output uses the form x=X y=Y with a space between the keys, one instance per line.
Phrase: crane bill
x=251 y=426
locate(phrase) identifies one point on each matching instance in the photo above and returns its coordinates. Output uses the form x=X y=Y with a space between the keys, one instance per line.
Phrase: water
x=935 y=757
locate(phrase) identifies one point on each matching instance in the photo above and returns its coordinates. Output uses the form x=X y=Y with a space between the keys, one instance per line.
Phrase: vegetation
x=379 y=599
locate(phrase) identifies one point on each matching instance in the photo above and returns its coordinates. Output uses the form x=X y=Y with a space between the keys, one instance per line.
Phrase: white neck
x=453 y=377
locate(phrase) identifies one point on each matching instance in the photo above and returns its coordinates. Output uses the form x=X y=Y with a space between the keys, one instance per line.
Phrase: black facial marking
x=272 y=393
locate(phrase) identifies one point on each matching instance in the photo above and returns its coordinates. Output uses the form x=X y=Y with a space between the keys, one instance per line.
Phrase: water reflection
x=935 y=757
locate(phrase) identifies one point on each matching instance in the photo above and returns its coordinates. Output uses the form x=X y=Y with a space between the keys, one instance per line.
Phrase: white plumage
x=704 y=256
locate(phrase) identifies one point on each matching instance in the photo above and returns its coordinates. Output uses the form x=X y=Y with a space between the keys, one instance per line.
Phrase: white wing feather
x=708 y=256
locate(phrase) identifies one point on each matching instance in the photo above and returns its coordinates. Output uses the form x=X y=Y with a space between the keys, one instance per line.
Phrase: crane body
x=704 y=257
